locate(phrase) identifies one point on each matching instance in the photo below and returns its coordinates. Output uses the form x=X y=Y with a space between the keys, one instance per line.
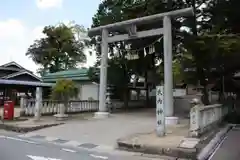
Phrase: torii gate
x=133 y=34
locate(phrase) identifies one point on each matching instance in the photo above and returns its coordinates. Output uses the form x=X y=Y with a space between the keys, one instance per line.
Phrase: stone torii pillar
x=168 y=76
x=131 y=26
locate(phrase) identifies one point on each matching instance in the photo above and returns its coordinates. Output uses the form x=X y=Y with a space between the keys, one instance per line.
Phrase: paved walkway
x=229 y=148
x=104 y=132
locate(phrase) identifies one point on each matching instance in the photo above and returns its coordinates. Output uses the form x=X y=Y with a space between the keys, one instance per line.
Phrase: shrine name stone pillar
x=103 y=111
x=38 y=103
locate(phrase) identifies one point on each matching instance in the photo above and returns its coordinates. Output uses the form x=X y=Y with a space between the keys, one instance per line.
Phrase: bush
x=64 y=90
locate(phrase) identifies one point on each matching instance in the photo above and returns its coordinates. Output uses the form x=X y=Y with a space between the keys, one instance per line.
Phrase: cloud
x=15 y=38
x=44 y=4
x=12 y=28
x=37 y=33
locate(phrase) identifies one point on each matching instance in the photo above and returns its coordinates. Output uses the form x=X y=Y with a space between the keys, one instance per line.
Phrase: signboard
x=132 y=31
x=160 y=111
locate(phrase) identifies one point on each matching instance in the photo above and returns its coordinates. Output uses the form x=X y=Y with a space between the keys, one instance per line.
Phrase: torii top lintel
x=141 y=20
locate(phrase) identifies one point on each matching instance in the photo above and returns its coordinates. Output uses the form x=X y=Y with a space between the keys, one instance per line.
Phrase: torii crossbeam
x=167 y=35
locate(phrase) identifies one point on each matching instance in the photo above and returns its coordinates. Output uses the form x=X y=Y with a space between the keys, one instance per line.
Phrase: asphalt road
x=15 y=148
x=229 y=148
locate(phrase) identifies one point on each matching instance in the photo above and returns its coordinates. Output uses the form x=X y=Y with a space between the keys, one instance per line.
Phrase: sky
x=22 y=21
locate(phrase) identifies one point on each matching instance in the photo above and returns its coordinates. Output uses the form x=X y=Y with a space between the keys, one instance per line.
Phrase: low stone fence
x=203 y=118
x=50 y=107
x=53 y=107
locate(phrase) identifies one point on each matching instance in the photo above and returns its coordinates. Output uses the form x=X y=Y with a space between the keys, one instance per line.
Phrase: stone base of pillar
x=35 y=119
x=61 y=117
x=101 y=115
x=169 y=121
x=160 y=133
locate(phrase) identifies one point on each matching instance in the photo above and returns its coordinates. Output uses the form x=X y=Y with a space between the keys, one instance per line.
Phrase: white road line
x=219 y=145
x=41 y=158
x=17 y=139
x=68 y=150
x=99 y=157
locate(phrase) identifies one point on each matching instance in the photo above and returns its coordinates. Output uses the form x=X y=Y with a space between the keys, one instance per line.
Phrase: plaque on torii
x=132 y=31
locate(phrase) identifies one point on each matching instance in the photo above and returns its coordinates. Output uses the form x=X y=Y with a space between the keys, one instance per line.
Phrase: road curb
x=19 y=129
x=162 y=151
x=211 y=146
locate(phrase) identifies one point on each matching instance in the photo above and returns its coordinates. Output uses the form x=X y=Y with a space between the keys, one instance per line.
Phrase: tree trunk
x=169 y=5
x=194 y=20
x=65 y=106
x=125 y=98
x=125 y=88
x=205 y=99
x=138 y=94
x=200 y=71
x=146 y=83
x=203 y=82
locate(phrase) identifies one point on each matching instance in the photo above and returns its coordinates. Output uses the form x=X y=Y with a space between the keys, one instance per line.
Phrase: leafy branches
x=58 y=50
x=64 y=90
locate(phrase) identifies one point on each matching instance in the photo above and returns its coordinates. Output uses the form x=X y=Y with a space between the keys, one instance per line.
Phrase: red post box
x=8 y=111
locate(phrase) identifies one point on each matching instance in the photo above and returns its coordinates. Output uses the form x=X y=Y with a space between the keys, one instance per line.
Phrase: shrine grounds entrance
x=132 y=29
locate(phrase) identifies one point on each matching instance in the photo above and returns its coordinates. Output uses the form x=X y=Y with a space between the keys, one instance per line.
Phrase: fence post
x=38 y=103
x=194 y=118
x=22 y=105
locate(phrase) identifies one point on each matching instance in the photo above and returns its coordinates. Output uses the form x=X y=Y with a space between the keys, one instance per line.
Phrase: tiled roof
x=21 y=73
x=12 y=64
x=14 y=70
x=73 y=74
x=25 y=83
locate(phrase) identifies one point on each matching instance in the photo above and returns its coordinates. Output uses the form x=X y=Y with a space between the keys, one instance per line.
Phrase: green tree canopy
x=64 y=90
x=59 y=50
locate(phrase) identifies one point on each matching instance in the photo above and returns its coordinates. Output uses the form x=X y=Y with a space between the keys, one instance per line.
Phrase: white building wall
x=89 y=91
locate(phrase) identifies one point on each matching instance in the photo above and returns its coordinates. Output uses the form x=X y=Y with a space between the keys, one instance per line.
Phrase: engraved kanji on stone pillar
x=160 y=111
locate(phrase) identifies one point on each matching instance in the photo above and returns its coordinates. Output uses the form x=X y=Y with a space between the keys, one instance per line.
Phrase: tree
x=210 y=56
x=64 y=90
x=212 y=47
x=217 y=57
x=58 y=50
x=222 y=16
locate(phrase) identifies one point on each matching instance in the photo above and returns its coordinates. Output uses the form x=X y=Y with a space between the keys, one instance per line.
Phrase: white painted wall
x=89 y=90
